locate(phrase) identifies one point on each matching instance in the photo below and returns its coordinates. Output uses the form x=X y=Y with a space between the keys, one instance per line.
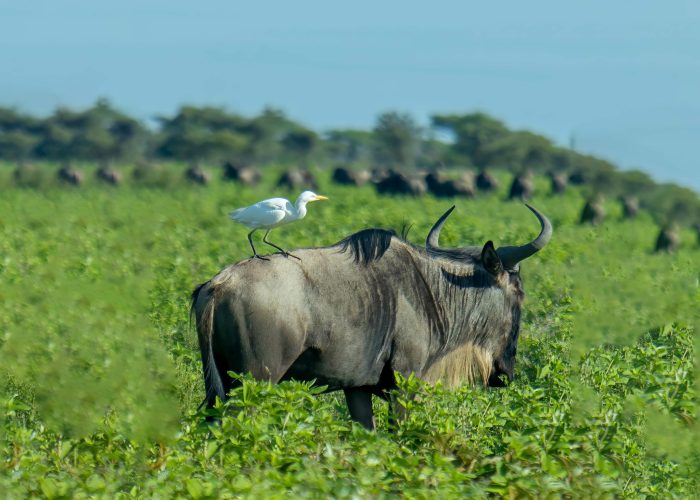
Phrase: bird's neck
x=300 y=207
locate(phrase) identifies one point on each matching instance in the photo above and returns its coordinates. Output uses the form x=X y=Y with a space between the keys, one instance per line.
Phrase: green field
x=101 y=372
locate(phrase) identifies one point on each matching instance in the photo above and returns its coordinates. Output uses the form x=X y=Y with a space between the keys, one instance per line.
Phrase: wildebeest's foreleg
x=359 y=402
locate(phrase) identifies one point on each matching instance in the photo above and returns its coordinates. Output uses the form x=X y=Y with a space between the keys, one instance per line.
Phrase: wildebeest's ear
x=490 y=259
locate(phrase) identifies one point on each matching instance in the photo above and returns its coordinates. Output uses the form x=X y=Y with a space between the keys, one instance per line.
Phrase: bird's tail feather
x=234 y=215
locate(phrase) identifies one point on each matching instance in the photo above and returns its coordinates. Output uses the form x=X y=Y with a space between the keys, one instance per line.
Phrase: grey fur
x=351 y=314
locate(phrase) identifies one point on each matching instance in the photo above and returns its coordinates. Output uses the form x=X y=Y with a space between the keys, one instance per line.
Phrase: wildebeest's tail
x=213 y=384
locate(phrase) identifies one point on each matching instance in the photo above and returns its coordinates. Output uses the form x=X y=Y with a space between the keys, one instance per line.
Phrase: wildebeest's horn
x=432 y=241
x=510 y=256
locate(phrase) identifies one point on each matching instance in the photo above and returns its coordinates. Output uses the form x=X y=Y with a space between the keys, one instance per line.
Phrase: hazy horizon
x=621 y=79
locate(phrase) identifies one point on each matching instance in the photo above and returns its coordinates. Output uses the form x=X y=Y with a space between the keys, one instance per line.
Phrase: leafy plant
x=102 y=378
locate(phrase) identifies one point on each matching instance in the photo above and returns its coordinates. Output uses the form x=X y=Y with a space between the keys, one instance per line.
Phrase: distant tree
x=266 y=133
x=635 y=182
x=472 y=134
x=349 y=146
x=100 y=133
x=12 y=120
x=397 y=138
x=300 y=144
x=669 y=203
x=189 y=144
x=560 y=159
x=683 y=210
x=206 y=117
x=224 y=143
x=202 y=134
x=104 y=134
x=17 y=145
x=436 y=153
x=129 y=137
x=516 y=151
x=18 y=135
x=599 y=176
x=55 y=143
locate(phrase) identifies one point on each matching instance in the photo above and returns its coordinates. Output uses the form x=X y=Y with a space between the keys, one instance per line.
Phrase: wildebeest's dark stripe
x=477 y=279
x=367 y=245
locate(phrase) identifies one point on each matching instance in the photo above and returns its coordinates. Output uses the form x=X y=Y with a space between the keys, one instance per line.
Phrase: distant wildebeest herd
x=394 y=182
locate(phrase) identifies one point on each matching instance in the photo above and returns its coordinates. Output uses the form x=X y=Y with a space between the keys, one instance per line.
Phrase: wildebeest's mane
x=367 y=245
x=371 y=244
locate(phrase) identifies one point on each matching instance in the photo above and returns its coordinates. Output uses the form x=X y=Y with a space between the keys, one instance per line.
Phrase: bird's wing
x=275 y=204
x=263 y=214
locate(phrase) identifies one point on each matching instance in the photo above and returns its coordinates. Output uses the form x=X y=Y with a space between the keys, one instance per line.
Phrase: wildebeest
x=342 y=175
x=400 y=183
x=668 y=239
x=298 y=179
x=593 y=211
x=442 y=187
x=154 y=175
x=234 y=171
x=350 y=315
x=485 y=181
x=27 y=175
x=559 y=182
x=378 y=174
x=630 y=206
x=197 y=175
x=523 y=187
x=71 y=176
x=109 y=176
x=577 y=178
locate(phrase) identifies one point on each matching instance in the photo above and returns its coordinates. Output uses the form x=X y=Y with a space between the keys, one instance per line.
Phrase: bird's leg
x=278 y=248
x=255 y=254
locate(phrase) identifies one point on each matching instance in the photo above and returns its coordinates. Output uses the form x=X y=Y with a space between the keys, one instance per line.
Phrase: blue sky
x=623 y=77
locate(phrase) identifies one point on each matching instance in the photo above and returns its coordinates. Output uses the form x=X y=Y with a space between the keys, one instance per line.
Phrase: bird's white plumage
x=268 y=214
x=264 y=214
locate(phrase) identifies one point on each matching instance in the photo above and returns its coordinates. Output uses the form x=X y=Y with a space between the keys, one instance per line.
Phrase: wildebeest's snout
x=497 y=375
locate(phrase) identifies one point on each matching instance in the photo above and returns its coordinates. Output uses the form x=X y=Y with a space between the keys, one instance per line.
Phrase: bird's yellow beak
x=320 y=198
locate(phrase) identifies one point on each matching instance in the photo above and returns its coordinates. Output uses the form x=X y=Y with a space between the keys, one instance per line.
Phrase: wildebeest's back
x=291 y=320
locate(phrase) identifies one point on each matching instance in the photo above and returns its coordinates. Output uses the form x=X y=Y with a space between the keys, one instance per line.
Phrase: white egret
x=272 y=213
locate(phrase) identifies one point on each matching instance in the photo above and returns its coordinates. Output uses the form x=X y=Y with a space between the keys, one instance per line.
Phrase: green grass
x=102 y=373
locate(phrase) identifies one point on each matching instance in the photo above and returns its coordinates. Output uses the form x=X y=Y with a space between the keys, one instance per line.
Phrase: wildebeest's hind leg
x=359 y=402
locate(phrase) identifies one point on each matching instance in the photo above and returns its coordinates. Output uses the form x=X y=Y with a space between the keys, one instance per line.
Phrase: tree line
x=206 y=134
